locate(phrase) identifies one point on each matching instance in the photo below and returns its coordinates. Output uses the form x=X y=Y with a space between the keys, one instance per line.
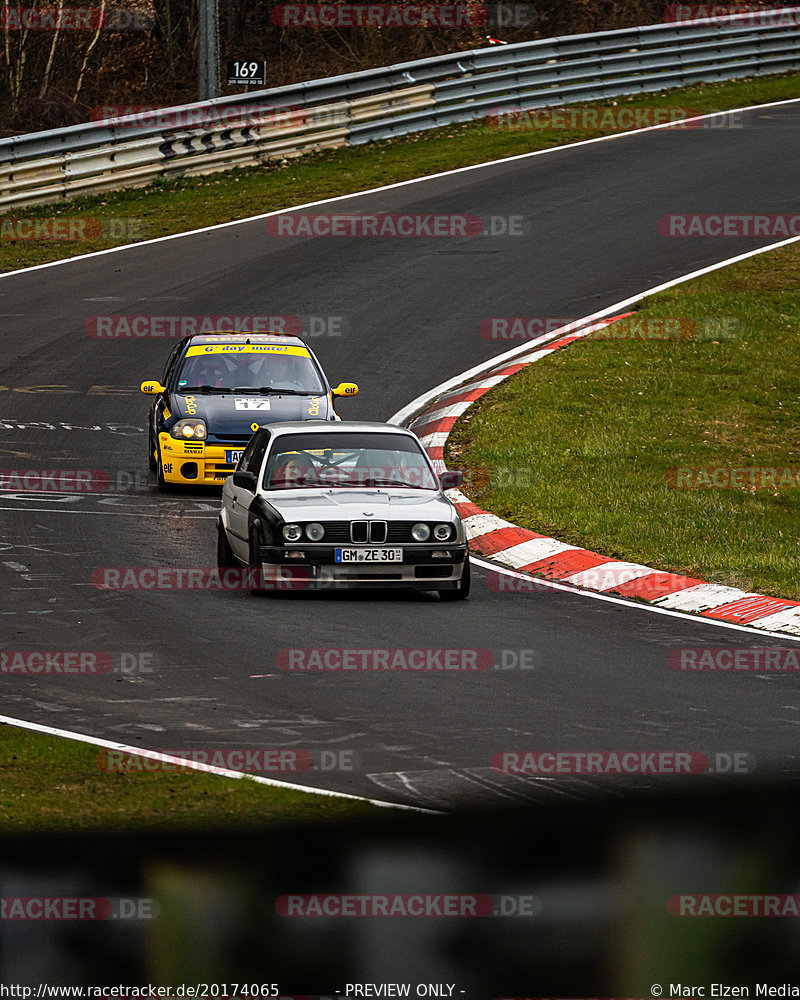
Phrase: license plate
x=369 y=555
x=232 y=457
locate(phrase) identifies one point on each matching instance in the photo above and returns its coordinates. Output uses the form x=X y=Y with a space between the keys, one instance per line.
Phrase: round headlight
x=441 y=532
x=314 y=532
x=292 y=532
x=420 y=532
x=189 y=429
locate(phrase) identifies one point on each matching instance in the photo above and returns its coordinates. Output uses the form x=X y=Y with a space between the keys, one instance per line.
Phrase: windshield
x=255 y=372
x=308 y=461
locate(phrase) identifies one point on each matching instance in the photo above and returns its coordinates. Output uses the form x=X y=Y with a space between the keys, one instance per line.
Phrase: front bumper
x=315 y=567
x=196 y=463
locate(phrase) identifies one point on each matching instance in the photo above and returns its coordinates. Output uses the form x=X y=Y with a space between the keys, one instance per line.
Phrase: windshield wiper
x=269 y=389
x=202 y=388
x=386 y=482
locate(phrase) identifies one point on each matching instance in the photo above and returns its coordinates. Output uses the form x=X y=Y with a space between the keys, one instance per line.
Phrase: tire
x=254 y=564
x=161 y=484
x=151 y=454
x=461 y=593
x=225 y=557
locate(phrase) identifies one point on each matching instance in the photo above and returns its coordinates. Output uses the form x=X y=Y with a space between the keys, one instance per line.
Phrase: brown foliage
x=157 y=66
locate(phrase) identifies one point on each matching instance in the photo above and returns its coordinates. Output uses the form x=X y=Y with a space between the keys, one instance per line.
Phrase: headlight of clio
x=192 y=429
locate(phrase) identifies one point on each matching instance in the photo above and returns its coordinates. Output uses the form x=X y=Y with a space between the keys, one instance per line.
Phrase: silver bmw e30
x=347 y=504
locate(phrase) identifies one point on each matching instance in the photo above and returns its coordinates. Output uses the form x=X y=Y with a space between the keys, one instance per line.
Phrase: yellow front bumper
x=195 y=463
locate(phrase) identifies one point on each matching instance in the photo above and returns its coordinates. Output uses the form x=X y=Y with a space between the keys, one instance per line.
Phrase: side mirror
x=245 y=481
x=451 y=479
x=152 y=388
x=346 y=389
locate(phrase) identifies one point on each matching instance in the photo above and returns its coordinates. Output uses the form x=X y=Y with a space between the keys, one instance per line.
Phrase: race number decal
x=250 y=403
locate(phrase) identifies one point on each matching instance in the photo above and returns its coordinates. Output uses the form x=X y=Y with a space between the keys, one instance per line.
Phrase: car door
x=238 y=500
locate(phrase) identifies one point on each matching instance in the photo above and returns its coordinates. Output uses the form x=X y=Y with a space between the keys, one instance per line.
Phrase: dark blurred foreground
x=586 y=900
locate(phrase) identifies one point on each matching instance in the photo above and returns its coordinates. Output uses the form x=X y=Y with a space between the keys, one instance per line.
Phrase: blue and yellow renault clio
x=217 y=389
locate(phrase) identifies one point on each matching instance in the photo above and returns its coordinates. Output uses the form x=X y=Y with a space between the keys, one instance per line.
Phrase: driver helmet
x=212 y=371
x=293 y=470
x=281 y=370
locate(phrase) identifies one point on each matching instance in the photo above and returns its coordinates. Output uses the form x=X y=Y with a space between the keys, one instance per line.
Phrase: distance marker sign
x=244 y=72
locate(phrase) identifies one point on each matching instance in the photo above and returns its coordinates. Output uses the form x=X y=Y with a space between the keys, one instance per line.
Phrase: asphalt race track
x=410 y=312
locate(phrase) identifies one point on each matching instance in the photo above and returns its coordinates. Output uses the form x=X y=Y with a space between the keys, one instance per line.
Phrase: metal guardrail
x=41 y=167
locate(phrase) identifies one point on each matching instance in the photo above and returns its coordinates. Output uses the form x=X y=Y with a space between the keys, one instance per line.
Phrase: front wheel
x=151 y=453
x=161 y=484
x=461 y=593
x=254 y=565
x=225 y=556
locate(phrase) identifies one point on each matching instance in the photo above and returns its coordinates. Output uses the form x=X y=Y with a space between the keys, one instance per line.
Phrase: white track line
x=541 y=583
x=391 y=187
x=197 y=766
x=119 y=513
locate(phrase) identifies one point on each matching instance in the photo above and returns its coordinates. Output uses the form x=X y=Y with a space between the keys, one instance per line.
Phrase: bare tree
x=87 y=55
x=48 y=70
x=16 y=51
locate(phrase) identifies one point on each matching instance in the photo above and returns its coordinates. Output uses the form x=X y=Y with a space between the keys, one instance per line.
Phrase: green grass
x=595 y=428
x=189 y=203
x=48 y=783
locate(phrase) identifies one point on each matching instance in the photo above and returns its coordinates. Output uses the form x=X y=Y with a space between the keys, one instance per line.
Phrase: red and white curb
x=528 y=552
